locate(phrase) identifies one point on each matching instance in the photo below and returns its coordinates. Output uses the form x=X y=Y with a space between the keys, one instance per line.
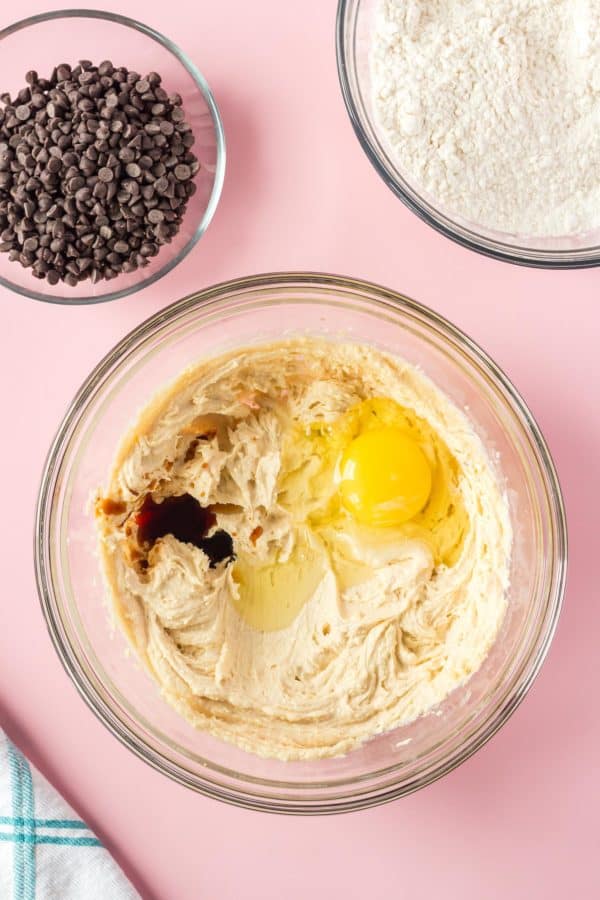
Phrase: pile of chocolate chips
x=95 y=171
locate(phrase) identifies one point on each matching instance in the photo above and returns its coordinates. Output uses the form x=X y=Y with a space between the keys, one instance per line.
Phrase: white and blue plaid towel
x=46 y=852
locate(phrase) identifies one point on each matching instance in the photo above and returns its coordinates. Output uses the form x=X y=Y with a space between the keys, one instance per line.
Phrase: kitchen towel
x=46 y=851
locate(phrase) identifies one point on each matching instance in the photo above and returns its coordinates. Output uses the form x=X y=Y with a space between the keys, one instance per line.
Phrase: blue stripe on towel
x=29 y=840
x=16 y=784
x=28 y=813
x=23 y=807
x=19 y=822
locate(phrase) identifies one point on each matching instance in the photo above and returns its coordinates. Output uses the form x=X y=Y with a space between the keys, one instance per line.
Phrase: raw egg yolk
x=384 y=477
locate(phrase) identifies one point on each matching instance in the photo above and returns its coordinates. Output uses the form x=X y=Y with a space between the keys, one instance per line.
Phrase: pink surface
x=519 y=820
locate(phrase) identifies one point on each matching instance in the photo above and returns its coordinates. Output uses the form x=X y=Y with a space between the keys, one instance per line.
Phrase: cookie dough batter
x=276 y=605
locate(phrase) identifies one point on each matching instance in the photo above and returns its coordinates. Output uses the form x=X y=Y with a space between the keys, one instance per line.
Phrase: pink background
x=519 y=820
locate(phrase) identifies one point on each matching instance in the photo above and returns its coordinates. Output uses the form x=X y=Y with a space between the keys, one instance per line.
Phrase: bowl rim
x=247 y=796
x=504 y=252
x=201 y=84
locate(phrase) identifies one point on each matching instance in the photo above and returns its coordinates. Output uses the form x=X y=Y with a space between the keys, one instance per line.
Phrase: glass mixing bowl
x=72 y=591
x=355 y=20
x=44 y=41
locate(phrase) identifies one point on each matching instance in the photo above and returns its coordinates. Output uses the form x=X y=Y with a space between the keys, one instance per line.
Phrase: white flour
x=493 y=107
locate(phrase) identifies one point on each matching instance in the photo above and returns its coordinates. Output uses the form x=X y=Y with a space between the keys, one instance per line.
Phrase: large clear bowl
x=355 y=22
x=68 y=35
x=72 y=592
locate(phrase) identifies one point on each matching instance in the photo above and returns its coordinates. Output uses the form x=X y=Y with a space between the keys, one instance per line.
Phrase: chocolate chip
x=126 y=154
x=30 y=244
x=100 y=190
x=83 y=194
x=183 y=172
x=136 y=142
x=75 y=183
x=87 y=166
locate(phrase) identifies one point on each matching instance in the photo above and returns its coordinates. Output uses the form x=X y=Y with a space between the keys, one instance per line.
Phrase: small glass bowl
x=73 y=594
x=42 y=42
x=355 y=21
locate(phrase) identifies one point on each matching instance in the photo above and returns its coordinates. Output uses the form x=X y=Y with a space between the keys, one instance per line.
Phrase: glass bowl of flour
x=256 y=312
x=483 y=120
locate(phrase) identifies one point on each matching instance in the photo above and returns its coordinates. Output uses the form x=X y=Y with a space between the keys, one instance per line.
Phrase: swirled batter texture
x=289 y=627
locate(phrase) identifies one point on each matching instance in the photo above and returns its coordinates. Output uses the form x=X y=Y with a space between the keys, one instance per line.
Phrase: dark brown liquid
x=186 y=520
